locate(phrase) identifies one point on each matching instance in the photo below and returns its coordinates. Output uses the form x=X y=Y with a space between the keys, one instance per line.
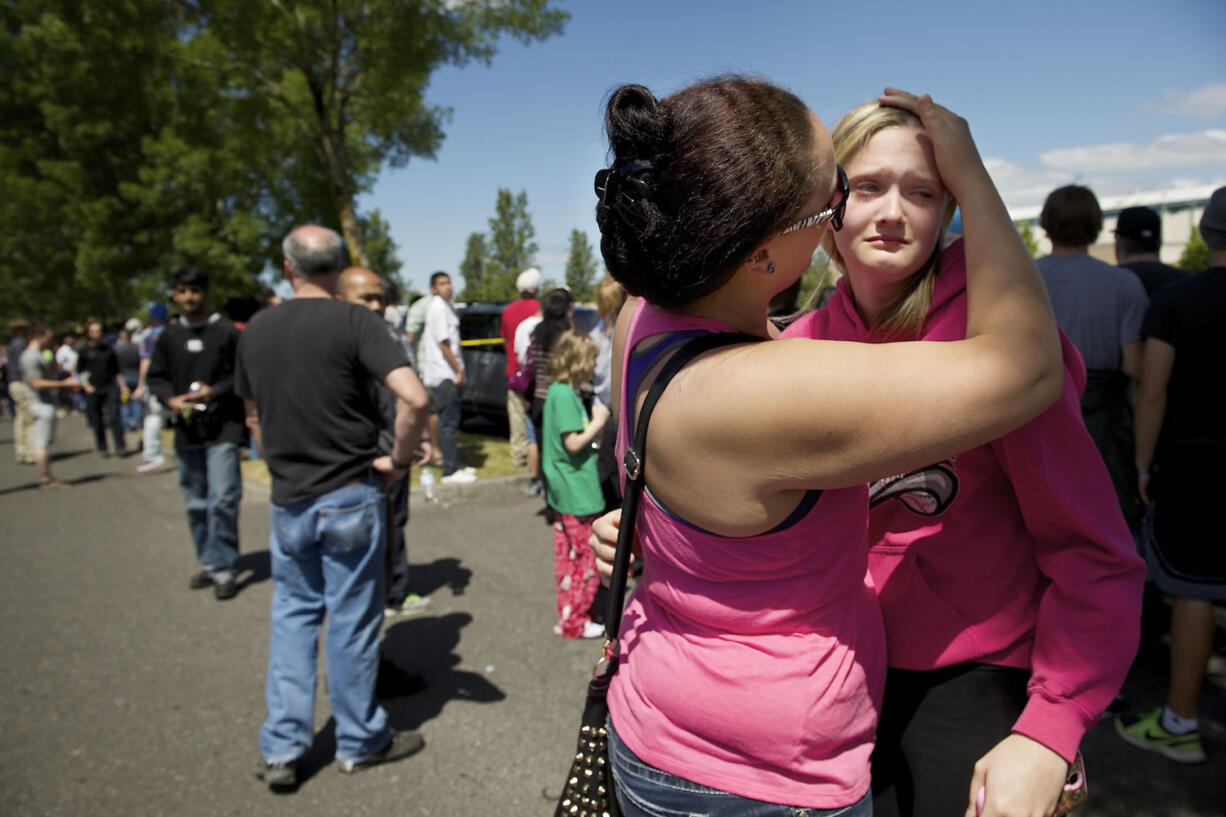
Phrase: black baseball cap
x=1140 y=224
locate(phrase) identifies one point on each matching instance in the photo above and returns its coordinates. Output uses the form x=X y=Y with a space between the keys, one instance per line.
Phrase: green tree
x=350 y=76
x=140 y=135
x=80 y=96
x=820 y=274
x=511 y=245
x=1195 y=255
x=473 y=268
x=380 y=248
x=1026 y=230
x=581 y=267
x=121 y=162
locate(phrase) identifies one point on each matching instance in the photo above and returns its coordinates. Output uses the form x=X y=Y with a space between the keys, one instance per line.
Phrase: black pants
x=105 y=396
x=934 y=726
x=397 y=580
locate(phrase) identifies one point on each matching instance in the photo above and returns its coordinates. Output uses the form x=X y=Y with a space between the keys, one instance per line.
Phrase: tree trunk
x=349 y=227
x=342 y=197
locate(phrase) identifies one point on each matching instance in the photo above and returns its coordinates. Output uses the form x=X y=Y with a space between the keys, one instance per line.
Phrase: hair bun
x=636 y=122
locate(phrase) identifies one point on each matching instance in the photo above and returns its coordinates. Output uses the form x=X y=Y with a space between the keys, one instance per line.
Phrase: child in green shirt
x=572 y=484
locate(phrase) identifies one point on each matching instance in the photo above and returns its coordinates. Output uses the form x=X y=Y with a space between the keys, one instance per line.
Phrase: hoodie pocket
x=922 y=628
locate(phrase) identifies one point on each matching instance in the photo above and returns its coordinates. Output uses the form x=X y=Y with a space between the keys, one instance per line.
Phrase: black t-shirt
x=1189 y=315
x=100 y=363
x=205 y=353
x=307 y=364
x=1155 y=275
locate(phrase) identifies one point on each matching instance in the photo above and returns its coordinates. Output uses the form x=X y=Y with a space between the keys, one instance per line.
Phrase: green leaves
x=1195 y=255
x=581 y=268
x=473 y=269
x=512 y=245
x=140 y=135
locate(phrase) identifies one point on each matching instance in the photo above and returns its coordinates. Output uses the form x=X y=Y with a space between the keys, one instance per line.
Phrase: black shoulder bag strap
x=634 y=459
x=589 y=787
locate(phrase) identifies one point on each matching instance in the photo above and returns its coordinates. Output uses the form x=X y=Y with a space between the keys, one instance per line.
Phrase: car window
x=585 y=319
x=480 y=323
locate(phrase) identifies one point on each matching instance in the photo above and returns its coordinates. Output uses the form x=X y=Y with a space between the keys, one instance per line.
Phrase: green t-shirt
x=573 y=485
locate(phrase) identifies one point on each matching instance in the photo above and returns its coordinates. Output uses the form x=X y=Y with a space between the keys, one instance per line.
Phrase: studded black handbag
x=589 y=788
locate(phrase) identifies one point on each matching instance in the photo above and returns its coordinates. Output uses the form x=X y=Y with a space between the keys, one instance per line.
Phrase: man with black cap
x=1138 y=237
x=1181 y=445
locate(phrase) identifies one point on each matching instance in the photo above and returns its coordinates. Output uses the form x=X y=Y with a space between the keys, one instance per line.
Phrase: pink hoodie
x=1014 y=553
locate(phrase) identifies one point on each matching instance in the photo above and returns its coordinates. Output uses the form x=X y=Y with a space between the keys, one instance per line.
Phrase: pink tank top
x=754 y=665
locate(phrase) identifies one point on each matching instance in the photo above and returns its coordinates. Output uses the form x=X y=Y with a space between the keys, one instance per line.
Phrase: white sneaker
x=150 y=465
x=592 y=630
x=459 y=478
x=468 y=469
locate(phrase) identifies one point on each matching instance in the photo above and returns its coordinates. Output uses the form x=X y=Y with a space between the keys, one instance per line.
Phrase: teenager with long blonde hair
x=1008 y=580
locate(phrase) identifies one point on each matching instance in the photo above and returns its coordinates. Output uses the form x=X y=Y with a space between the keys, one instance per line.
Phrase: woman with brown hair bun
x=752 y=652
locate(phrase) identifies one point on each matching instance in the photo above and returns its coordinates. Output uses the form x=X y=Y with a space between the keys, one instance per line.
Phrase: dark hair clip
x=623 y=186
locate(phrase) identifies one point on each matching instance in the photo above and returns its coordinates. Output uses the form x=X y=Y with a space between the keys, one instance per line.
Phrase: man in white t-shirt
x=442 y=370
x=66 y=358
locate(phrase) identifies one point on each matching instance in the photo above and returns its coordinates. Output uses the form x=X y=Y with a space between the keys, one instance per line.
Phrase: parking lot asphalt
x=122 y=692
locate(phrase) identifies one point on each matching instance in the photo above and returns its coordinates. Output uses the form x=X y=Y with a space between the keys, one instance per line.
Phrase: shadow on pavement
x=424 y=579
x=58 y=456
x=253 y=568
x=71 y=483
x=418 y=675
x=319 y=756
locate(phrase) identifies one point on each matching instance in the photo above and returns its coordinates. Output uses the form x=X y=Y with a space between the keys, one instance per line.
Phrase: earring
x=770 y=267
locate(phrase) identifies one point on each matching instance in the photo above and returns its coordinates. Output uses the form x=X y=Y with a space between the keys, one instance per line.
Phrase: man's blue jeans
x=132 y=412
x=446 y=399
x=327 y=557
x=212 y=487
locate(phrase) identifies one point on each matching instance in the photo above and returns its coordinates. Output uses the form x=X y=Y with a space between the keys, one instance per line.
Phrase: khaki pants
x=22 y=428
x=517 y=410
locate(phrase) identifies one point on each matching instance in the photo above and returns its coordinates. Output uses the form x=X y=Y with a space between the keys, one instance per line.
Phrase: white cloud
x=1174 y=150
x=1204 y=103
x=1021 y=184
x=1024 y=186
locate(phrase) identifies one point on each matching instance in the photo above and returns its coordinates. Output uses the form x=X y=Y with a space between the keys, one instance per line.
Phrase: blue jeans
x=132 y=412
x=645 y=791
x=212 y=487
x=327 y=556
x=446 y=399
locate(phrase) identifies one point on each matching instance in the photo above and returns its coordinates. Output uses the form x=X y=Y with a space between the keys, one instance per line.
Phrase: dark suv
x=485 y=356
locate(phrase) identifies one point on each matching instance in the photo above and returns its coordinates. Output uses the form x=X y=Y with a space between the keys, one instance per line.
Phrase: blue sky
x=1123 y=96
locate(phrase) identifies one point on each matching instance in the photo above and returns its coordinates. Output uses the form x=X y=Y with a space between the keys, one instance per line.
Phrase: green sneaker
x=1146 y=731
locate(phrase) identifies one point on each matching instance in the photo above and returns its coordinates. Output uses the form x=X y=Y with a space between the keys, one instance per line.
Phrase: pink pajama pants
x=574 y=571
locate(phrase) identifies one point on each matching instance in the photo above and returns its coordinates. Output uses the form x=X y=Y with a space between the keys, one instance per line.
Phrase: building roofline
x=1168 y=199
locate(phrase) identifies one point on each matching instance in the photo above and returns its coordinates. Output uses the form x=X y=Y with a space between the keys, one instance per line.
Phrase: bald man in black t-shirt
x=303 y=371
